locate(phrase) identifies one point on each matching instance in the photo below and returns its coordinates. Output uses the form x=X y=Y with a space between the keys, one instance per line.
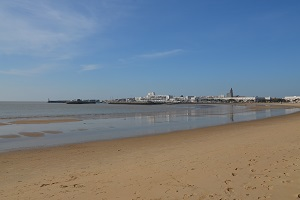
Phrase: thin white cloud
x=32 y=26
x=155 y=55
x=161 y=54
x=27 y=71
x=53 y=31
x=89 y=67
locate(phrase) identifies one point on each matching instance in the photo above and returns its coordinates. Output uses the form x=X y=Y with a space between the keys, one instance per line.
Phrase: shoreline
x=45 y=132
x=244 y=160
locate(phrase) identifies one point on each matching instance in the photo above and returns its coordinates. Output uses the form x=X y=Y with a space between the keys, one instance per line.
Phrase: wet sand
x=43 y=121
x=9 y=136
x=32 y=134
x=3 y=124
x=52 y=132
x=264 y=106
x=29 y=134
x=246 y=160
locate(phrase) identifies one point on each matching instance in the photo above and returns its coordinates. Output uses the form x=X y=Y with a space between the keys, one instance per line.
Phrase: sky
x=105 y=49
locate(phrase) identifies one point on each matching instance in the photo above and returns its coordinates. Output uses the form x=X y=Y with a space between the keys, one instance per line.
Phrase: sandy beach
x=246 y=160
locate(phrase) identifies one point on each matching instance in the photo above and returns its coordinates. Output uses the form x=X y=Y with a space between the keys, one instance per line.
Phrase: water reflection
x=231 y=114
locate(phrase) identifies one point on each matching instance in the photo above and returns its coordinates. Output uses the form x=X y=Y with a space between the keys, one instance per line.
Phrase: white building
x=151 y=96
x=234 y=99
x=295 y=99
x=268 y=98
x=245 y=99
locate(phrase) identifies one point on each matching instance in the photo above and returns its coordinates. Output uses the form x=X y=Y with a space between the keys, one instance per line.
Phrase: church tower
x=230 y=94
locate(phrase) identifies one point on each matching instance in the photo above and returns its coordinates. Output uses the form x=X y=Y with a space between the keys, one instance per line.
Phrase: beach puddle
x=52 y=132
x=32 y=134
x=10 y=136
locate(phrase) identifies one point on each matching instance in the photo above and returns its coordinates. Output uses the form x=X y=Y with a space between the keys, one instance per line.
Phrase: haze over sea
x=105 y=121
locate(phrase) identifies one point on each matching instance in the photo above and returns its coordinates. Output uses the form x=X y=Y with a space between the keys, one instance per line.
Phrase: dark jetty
x=57 y=101
x=79 y=101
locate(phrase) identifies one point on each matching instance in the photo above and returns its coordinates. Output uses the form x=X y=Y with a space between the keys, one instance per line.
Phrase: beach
x=245 y=160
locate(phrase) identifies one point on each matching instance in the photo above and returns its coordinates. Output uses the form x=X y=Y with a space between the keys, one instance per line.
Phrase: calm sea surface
x=107 y=121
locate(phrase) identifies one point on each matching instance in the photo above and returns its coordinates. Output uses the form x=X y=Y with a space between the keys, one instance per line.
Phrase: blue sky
x=103 y=49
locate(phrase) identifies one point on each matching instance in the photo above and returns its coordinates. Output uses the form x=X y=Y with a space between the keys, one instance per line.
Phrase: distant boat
x=79 y=101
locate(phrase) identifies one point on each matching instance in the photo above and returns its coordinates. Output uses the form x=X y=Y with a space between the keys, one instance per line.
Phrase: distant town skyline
x=102 y=49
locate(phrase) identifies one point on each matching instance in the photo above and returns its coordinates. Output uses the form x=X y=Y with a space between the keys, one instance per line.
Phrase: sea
x=113 y=121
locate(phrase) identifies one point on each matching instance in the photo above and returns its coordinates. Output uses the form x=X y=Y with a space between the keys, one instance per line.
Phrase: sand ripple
x=9 y=136
x=32 y=134
x=52 y=132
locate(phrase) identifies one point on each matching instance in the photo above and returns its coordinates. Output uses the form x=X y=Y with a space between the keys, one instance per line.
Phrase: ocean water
x=111 y=121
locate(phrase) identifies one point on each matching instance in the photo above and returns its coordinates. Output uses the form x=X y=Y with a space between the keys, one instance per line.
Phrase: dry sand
x=248 y=160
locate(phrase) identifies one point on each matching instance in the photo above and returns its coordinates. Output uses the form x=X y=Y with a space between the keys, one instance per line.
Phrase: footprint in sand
x=252 y=162
x=256 y=176
x=286 y=174
x=252 y=170
x=229 y=190
x=249 y=188
x=72 y=178
x=287 y=181
x=210 y=196
x=269 y=187
x=264 y=197
x=78 y=186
